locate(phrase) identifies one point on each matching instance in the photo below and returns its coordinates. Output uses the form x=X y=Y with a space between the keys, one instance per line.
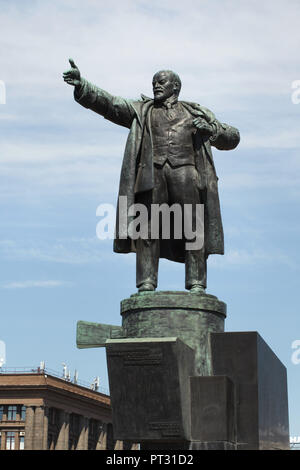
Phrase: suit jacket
x=137 y=168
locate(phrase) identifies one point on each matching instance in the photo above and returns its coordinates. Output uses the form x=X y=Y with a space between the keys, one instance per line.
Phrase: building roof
x=39 y=388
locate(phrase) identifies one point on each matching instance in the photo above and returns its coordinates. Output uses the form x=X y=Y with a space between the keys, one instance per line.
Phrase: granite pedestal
x=178 y=381
x=149 y=380
x=161 y=314
x=260 y=389
x=190 y=317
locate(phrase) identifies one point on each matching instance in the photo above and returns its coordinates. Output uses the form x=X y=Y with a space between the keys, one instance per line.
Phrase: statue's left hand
x=205 y=129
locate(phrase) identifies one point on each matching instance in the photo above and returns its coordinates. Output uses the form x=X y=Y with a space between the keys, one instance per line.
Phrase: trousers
x=180 y=185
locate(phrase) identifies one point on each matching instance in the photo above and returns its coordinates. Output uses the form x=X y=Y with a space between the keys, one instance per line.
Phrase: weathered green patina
x=162 y=314
x=167 y=160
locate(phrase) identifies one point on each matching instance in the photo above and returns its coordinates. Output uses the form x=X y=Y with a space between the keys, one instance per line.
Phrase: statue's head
x=165 y=84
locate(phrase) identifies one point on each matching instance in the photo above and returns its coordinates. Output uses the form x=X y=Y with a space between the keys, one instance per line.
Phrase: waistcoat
x=172 y=135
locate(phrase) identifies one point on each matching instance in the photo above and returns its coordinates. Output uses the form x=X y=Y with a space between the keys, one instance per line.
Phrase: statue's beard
x=162 y=97
x=159 y=96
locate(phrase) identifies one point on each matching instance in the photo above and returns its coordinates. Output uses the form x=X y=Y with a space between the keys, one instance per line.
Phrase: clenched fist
x=203 y=126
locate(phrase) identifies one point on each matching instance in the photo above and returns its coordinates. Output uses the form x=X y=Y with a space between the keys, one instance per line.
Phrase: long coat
x=137 y=168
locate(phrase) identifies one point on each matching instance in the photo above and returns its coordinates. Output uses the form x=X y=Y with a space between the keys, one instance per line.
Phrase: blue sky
x=59 y=161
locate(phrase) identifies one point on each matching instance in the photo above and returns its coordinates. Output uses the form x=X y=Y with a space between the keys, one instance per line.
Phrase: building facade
x=39 y=411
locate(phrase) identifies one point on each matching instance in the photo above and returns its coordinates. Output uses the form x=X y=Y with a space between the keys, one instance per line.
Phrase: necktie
x=170 y=112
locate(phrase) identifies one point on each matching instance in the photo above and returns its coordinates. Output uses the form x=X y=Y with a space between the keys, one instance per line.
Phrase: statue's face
x=163 y=86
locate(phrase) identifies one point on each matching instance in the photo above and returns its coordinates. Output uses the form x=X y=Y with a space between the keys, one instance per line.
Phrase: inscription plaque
x=138 y=357
x=154 y=386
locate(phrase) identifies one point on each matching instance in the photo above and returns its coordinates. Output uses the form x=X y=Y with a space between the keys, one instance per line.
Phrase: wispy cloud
x=235 y=63
x=33 y=284
x=65 y=251
x=234 y=49
x=241 y=257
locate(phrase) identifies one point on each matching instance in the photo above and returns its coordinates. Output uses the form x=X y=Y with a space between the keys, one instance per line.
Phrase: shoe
x=146 y=287
x=197 y=289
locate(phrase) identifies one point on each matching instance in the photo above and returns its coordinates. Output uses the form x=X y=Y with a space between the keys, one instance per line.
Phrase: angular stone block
x=261 y=388
x=149 y=384
x=212 y=410
x=94 y=335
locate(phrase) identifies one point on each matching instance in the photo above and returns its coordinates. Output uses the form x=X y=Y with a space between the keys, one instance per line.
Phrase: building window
x=52 y=438
x=73 y=431
x=10 y=440
x=21 y=442
x=74 y=423
x=1 y=412
x=53 y=427
x=23 y=413
x=110 y=437
x=53 y=416
x=11 y=413
x=93 y=434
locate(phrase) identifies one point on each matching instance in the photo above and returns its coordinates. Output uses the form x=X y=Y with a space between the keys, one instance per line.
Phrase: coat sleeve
x=225 y=137
x=114 y=108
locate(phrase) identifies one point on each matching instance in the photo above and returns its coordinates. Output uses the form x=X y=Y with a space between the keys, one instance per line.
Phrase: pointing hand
x=72 y=76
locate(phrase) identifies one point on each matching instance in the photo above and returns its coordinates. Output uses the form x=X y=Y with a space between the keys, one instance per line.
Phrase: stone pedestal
x=190 y=317
x=149 y=380
x=177 y=381
x=260 y=381
x=212 y=412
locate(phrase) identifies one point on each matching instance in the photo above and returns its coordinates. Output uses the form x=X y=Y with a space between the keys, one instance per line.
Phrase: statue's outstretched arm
x=116 y=109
